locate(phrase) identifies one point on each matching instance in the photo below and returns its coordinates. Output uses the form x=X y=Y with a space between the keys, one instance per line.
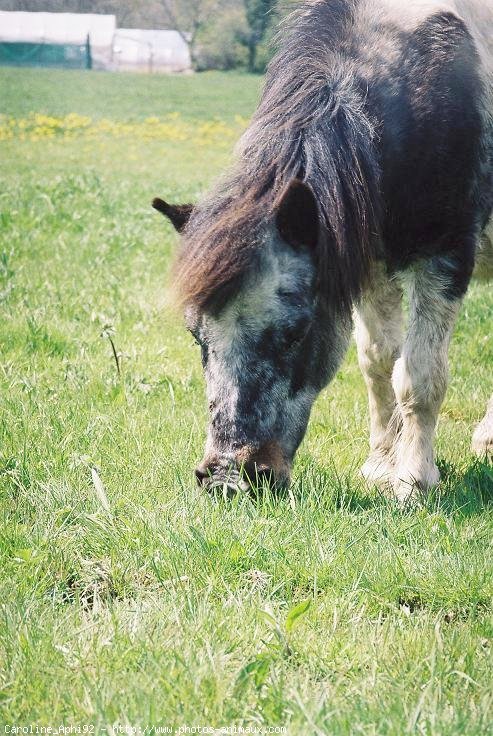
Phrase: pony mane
x=311 y=124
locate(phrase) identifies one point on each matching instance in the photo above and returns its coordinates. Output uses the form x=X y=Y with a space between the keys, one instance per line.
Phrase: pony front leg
x=378 y=333
x=482 y=439
x=420 y=377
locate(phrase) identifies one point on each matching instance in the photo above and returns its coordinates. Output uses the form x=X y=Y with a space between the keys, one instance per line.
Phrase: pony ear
x=177 y=214
x=297 y=216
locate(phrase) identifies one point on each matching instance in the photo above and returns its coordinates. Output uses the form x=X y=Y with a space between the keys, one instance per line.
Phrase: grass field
x=148 y=604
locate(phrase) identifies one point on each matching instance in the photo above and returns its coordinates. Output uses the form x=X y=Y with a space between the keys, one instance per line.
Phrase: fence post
x=88 y=53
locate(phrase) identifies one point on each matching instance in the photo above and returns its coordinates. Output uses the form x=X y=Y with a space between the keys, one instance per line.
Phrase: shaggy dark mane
x=311 y=123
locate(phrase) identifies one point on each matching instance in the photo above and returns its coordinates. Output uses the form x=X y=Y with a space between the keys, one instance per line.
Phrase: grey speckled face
x=266 y=354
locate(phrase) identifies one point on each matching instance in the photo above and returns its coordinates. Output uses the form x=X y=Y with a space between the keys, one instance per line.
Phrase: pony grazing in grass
x=367 y=170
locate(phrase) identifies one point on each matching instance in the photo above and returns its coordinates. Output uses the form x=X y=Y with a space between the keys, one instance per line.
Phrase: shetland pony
x=367 y=170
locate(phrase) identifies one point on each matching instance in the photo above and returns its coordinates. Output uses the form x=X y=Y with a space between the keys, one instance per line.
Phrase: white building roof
x=166 y=48
x=69 y=28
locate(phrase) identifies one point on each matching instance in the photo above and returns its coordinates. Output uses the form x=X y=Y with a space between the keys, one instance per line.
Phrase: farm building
x=88 y=41
x=150 y=51
x=76 y=40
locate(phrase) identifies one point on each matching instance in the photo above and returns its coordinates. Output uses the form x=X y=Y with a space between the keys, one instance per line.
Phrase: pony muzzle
x=248 y=471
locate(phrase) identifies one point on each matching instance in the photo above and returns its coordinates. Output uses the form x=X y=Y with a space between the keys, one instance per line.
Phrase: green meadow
x=127 y=596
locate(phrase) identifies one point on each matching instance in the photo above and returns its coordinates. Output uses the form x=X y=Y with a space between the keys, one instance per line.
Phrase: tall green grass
x=144 y=602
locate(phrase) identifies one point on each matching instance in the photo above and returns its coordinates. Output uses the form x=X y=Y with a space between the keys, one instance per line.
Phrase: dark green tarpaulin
x=68 y=56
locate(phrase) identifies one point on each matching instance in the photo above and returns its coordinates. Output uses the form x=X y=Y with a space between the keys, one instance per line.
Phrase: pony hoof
x=408 y=496
x=378 y=470
x=411 y=487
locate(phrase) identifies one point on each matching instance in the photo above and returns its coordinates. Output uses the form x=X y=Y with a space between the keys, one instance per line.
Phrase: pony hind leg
x=379 y=335
x=420 y=375
x=482 y=439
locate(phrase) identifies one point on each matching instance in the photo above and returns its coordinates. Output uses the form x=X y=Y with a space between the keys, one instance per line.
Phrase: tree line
x=222 y=34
